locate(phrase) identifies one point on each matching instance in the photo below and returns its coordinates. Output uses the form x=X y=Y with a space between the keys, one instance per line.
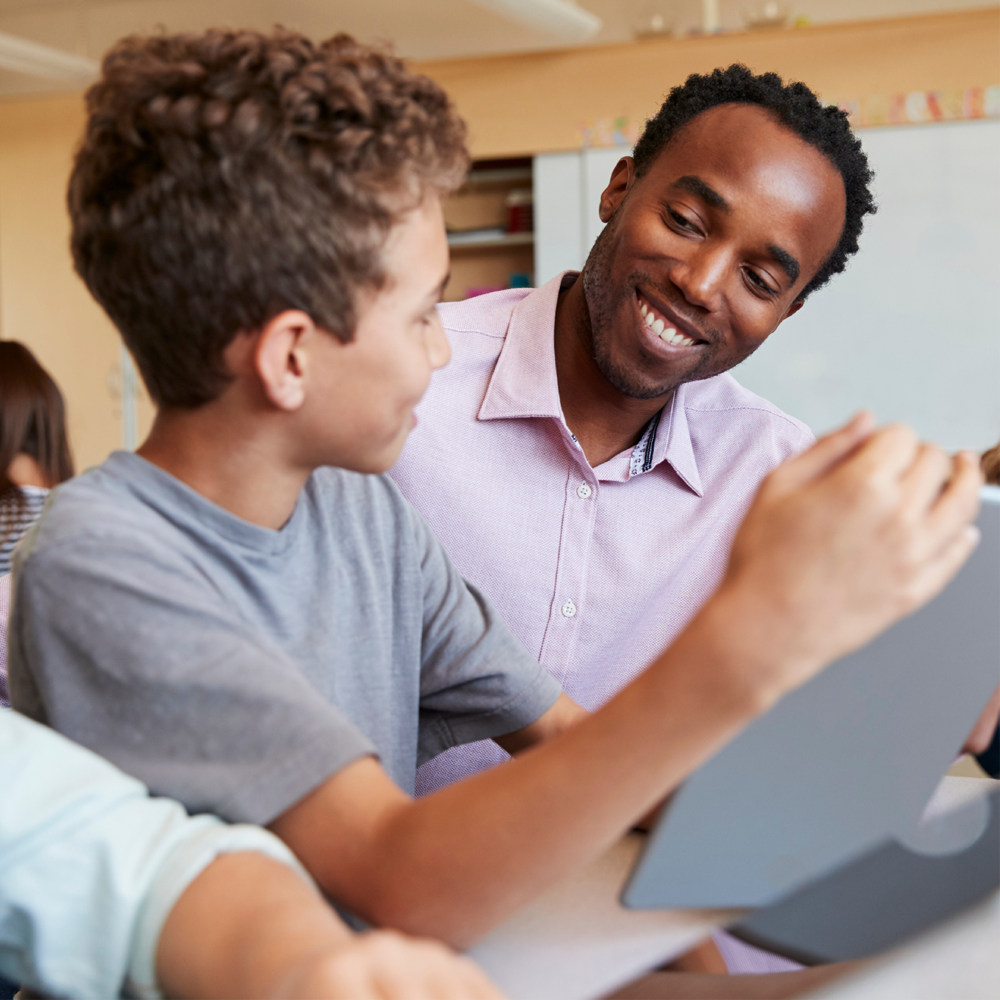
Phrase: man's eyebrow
x=788 y=263
x=707 y=194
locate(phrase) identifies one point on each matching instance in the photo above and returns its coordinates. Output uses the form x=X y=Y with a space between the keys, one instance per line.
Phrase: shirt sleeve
x=477 y=680
x=131 y=653
x=90 y=866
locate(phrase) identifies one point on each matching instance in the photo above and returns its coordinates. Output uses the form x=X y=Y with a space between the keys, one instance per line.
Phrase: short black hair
x=796 y=107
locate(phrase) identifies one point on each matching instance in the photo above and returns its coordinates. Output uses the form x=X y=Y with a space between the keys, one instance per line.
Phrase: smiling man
x=585 y=458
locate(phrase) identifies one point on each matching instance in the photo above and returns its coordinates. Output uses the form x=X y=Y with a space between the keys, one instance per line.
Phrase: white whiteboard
x=912 y=329
x=568 y=188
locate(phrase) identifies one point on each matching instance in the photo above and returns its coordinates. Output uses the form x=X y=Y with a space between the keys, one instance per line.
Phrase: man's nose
x=700 y=277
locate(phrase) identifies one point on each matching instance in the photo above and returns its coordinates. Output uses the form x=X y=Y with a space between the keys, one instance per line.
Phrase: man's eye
x=759 y=282
x=681 y=220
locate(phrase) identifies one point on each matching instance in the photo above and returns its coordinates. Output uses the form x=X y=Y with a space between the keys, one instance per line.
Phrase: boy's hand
x=841 y=542
x=384 y=965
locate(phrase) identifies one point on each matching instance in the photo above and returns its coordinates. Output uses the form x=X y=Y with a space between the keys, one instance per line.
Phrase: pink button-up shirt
x=594 y=570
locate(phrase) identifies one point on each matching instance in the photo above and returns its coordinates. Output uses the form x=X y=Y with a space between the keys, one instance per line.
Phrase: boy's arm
x=248 y=926
x=560 y=717
x=841 y=542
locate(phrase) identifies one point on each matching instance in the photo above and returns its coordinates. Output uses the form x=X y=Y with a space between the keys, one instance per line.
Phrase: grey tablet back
x=838 y=765
x=885 y=896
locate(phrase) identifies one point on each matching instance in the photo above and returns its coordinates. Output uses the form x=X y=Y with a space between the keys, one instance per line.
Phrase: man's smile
x=662 y=323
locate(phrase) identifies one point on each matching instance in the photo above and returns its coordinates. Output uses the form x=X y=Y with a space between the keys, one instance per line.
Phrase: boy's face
x=362 y=395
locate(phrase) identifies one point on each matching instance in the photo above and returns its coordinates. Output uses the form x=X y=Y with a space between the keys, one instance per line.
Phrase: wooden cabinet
x=490 y=228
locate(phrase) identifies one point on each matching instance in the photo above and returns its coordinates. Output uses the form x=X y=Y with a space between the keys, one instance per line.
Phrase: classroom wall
x=547 y=101
x=514 y=104
x=42 y=302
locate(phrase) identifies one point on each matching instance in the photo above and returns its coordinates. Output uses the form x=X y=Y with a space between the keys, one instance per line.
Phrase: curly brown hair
x=227 y=176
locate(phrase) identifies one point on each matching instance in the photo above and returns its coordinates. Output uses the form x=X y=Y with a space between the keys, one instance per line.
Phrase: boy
x=248 y=618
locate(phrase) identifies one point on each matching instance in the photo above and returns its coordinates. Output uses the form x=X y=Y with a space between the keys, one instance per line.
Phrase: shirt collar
x=524 y=382
x=673 y=441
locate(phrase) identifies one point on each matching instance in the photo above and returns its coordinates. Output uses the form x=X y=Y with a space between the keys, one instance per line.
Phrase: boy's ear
x=281 y=357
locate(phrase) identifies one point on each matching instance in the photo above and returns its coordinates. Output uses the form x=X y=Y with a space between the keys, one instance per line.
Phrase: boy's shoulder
x=128 y=502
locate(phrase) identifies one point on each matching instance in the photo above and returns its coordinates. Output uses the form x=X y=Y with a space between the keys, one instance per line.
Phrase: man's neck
x=217 y=456
x=605 y=421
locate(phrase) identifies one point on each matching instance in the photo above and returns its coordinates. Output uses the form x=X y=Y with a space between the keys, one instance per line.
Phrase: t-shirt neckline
x=153 y=484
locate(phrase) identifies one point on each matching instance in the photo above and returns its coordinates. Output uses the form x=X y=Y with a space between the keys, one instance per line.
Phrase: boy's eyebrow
x=707 y=194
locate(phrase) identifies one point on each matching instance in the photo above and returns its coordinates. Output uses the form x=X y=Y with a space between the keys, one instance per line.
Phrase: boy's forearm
x=241 y=927
x=457 y=862
x=840 y=542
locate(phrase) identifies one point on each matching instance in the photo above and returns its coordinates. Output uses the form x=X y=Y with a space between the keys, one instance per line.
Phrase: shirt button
x=569 y=609
x=583 y=491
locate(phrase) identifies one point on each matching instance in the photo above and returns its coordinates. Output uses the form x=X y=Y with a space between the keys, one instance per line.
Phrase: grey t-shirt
x=234 y=667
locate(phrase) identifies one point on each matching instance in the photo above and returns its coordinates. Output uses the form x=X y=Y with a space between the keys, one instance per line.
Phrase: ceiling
x=418 y=29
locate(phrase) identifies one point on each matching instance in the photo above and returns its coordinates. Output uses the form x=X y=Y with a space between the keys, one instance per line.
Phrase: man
x=585 y=458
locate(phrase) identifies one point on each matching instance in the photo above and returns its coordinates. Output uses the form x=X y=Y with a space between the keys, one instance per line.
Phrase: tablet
x=889 y=894
x=841 y=763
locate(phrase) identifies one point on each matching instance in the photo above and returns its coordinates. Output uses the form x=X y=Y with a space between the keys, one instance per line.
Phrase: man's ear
x=621 y=180
x=792 y=309
x=281 y=357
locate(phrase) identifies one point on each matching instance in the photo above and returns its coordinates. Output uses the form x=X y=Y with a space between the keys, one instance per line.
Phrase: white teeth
x=664 y=332
x=672 y=336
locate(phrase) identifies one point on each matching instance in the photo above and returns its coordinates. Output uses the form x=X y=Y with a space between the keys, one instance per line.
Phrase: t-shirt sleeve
x=133 y=653
x=90 y=866
x=477 y=681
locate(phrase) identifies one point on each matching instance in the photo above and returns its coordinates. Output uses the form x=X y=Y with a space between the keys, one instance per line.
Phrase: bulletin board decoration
x=921 y=106
x=601 y=133
x=868 y=111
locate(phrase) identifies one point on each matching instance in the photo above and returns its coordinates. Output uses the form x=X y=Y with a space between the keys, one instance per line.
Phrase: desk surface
x=576 y=942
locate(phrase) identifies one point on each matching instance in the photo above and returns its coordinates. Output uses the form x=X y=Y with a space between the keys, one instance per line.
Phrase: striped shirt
x=19 y=510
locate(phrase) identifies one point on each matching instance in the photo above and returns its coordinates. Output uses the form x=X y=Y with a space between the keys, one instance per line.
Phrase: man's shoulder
x=723 y=394
x=485 y=315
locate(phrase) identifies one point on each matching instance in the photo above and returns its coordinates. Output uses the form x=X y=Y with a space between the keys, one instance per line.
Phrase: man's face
x=704 y=255
x=365 y=390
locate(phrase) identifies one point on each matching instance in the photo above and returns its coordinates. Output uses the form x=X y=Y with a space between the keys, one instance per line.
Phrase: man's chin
x=637 y=385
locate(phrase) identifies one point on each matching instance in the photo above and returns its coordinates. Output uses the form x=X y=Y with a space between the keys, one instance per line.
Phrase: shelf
x=499 y=175
x=488 y=240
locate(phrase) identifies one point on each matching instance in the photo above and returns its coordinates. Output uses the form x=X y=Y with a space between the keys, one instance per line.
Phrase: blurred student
x=986 y=747
x=106 y=892
x=991 y=465
x=248 y=616
x=34 y=450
